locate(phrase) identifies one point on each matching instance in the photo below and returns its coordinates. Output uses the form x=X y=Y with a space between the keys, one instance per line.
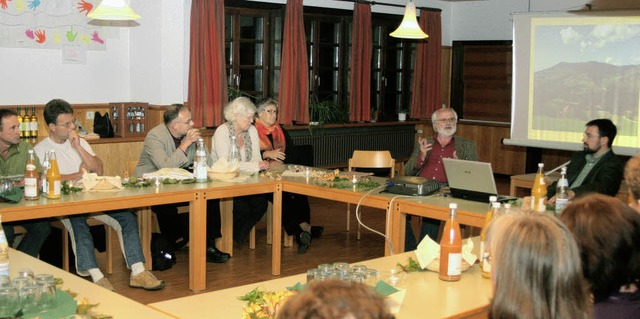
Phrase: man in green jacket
x=426 y=161
x=13 y=159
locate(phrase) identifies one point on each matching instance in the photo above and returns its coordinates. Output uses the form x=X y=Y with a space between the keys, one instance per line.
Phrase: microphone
x=557 y=168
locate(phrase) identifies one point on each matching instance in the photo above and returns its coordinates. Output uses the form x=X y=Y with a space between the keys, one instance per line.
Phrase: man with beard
x=426 y=161
x=596 y=169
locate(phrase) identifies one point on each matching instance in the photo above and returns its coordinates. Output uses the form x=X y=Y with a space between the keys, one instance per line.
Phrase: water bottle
x=562 y=192
x=4 y=252
x=234 y=152
x=200 y=163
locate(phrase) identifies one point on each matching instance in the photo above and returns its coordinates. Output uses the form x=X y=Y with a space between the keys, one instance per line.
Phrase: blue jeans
x=37 y=233
x=124 y=222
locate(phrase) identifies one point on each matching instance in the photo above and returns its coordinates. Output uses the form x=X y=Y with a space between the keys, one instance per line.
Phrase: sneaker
x=146 y=280
x=105 y=283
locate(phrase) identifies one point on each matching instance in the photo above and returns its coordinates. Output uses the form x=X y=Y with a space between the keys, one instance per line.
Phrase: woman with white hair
x=240 y=114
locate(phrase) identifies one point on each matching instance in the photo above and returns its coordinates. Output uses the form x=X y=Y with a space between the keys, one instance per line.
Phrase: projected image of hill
x=570 y=68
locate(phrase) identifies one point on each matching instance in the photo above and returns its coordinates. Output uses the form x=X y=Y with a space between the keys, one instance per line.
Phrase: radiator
x=332 y=147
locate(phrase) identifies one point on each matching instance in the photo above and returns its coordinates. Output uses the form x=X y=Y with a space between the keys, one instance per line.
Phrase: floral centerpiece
x=262 y=304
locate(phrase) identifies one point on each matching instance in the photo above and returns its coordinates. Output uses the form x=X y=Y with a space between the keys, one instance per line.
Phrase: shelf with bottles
x=129 y=119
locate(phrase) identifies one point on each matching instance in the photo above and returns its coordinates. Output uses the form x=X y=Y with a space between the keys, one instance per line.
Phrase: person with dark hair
x=632 y=178
x=536 y=271
x=173 y=144
x=277 y=146
x=14 y=154
x=76 y=157
x=595 y=169
x=240 y=114
x=332 y=299
x=608 y=232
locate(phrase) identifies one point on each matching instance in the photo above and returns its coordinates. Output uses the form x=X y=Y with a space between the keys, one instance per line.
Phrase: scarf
x=247 y=141
x=276 y=134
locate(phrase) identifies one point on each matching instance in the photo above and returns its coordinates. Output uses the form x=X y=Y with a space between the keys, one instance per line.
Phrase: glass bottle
x=20 y=123
x=26 y=123
x=483 y=232
x=31 y=179
x=234 y=153
x=4 y=252
x=485 y=264
x=539 y=191
x=45 y=168
x=53 y=177
x=562 y=191
x=451 y=248
x=200 y=163
x=34 y=122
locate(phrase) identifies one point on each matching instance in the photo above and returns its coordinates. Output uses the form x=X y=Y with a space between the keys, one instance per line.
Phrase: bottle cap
x=493 y=198
x=453 y=205
x=540 y=165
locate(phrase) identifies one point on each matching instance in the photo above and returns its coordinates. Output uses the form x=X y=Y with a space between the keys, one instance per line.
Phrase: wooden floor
x=248 y=266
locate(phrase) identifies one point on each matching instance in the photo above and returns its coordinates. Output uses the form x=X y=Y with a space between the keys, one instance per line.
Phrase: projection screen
x=569 y=68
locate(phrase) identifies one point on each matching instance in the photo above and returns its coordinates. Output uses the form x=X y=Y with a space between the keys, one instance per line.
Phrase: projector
x=412 y=186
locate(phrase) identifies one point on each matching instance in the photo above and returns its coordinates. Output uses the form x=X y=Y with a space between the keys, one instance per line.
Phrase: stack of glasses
x=342 y=271
x=26 y=293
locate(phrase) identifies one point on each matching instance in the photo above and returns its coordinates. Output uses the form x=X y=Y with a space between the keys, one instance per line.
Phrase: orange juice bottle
x=539 y=191
x=451 y=248
x=31 y=191
x=485 y=264
x=53 y=177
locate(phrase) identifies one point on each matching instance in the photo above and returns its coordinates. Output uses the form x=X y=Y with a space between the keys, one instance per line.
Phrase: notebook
x=471 y=180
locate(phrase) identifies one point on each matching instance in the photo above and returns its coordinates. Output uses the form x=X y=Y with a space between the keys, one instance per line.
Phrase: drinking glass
x=9 y=302
x=27 y=273
x=5 y=281
x=30 y=298
x=311 y=275
x=371 y=277
x=341 y=267
x=20 y=282
x=47 y=290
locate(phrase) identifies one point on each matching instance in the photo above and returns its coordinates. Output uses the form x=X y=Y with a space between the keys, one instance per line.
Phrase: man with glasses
x=595 y=169
x=75 y=157
x=173 y=144
x=426 y=161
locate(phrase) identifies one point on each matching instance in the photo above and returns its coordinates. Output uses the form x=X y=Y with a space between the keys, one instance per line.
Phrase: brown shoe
x=146 y=280
x=105 y=283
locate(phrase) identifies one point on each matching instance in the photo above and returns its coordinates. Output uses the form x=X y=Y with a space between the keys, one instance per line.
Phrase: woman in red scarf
x=277 y=146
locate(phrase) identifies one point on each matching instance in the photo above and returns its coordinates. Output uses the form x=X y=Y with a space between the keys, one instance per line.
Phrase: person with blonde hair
x=536 y=269
x=608 y=232
x=331 y=299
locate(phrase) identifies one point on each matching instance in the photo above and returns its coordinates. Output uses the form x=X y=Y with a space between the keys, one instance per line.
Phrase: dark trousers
x=175 y=226
x=247 y=211
x=430 y=227
x=295 y=211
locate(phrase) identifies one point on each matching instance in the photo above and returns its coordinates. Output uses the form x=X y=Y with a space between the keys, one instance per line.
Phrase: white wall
x=149 y=62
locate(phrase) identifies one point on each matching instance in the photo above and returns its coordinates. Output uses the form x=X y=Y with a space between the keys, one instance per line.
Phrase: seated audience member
x=277 y=146
x=173 y=144
x=536 y=269
x=595 y=169
x=632 y=178
x=74 y=155
x=240 y=113
x=426 y=161
x=14 y=154
x=333 y=299
x=608 y=233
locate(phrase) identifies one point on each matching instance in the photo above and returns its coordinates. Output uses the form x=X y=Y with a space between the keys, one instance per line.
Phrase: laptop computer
x=472 y=180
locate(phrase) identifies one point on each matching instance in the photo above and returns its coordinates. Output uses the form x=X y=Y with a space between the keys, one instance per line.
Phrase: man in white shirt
x=74 y=156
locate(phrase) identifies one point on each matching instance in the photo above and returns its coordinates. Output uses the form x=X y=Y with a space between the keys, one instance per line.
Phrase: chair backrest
x=372 y=159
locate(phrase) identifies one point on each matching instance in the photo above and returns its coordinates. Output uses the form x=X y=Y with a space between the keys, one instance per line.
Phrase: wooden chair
x=369 y=159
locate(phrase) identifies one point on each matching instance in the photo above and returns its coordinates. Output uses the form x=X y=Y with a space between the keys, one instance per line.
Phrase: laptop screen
x=470 y=180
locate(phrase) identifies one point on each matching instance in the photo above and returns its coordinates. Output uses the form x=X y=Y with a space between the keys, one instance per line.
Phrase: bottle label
x=30 y=186
x=30 y=167
x=57 y=185
x=4 y=254
x=455 y=264
x=45 y=186
x=482 y=252
x=561 y=203
x=486 y=266
x=201 y=172
x=541 y=204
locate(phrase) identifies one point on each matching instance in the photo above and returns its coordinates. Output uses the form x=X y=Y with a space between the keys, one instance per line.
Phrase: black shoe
x=316 y=231
x=216 y=256
x=304 y=240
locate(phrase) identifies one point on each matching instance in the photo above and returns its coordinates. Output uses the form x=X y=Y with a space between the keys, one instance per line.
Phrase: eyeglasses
x=67 y=124
x=187 y=122
x=271 y=111
x=451 y=119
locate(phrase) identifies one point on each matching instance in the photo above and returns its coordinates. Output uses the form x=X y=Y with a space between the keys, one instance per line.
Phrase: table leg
x=145 y=222
x=225 y=243
x=198 y=242
x=276 y=244
x=397 y=230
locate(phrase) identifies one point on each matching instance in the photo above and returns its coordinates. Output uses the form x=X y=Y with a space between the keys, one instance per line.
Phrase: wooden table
x=110 y=303
x=426 y=296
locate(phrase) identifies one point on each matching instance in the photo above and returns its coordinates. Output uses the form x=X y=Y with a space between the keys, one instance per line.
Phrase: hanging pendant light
x=113 y=10
x=409 y=27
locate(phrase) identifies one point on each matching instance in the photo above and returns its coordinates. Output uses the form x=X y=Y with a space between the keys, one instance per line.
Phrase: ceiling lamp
x=113 y=10
x=409 y=28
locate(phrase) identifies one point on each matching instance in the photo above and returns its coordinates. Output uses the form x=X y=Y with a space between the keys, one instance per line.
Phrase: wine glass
x=9 y=302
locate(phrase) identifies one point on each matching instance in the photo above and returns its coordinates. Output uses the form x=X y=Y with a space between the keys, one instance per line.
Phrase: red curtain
x=207 y=71
x=294 y=71
x=361 y=50
x=427 y=73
